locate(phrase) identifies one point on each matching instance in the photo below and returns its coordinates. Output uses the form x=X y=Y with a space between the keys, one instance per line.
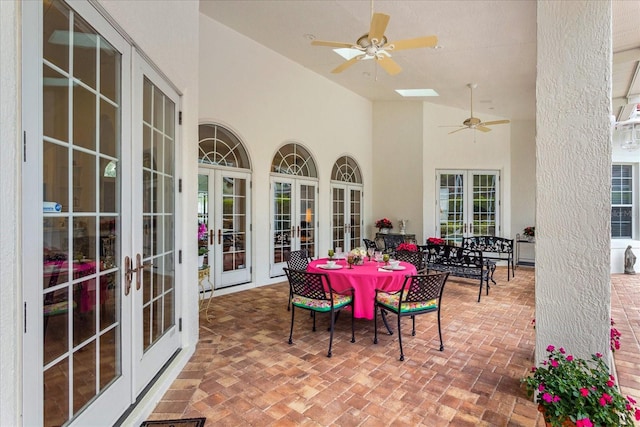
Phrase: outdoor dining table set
x=393 y=287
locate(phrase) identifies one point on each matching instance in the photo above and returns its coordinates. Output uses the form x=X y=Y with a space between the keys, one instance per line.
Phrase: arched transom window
x=293 y=159
x=220 y=146
x=346 y=169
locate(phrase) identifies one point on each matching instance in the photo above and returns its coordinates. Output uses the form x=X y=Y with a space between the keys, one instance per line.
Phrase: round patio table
x=364 y=279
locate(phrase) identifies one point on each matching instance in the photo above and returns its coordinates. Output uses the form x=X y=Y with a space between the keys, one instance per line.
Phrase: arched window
x=293 y=159
x=219 y=146
x=346 y=169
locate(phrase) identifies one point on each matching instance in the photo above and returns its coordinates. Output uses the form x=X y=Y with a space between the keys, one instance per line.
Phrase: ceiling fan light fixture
x=630 y=137
x=417 y=92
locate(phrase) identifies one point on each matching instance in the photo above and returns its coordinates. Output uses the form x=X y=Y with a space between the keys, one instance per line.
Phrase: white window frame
x=635 y=201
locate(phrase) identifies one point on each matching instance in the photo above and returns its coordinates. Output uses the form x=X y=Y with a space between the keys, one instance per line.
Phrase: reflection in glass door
x=467 y=204
x=223 y=206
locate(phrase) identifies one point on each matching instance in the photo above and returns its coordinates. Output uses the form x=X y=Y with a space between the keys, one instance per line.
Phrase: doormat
x=186 y=422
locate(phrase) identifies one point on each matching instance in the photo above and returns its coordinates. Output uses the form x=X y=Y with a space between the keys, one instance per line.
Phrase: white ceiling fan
x=374 y=45
x=474 y=122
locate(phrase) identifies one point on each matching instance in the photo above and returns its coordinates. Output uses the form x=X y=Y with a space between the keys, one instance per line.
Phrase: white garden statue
x=403 y=225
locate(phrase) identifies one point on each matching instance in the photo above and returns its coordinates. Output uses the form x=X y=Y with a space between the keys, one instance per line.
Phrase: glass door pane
x=338 y=205
x=282 y=227
x=154 y=214
x=307 y=219
x=484 y=204
x=451 y=204
x=355 y=217
x=232 y=223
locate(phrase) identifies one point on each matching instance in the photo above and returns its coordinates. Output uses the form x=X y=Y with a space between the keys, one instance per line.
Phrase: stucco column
x=573 y=168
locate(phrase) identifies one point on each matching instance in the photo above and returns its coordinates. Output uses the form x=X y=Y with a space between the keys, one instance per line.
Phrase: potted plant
x=409 y=247
x=572 y=391
x=530 y=233
x=384 y=225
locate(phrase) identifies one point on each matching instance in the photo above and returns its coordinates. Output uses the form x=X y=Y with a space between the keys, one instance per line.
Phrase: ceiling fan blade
x=331 y=44
x=389 y=65
x=378 y=26
x=495 y=122
x=426 y=41
x=482 y=128
x=458 y=130
x=346 y=64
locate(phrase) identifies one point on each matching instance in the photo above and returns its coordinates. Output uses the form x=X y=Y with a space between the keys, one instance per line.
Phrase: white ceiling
x=490 y=43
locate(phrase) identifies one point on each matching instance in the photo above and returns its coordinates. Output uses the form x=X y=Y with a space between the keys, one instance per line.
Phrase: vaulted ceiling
x=490 y=43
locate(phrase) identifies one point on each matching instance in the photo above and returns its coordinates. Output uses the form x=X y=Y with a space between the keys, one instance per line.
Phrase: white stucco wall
x=268 y=101
x=573 y=151
x=10 y=161
x=397 y=162
x=490 y=150
x=523 y=181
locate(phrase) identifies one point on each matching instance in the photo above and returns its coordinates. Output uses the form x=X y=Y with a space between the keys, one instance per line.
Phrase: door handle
x=139 y=267
x=211 y=236
x=219 y=236
x=128 y=275
x=470 y=228
x=298 y=231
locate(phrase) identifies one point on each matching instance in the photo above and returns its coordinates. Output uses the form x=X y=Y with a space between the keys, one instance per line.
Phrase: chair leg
x=375 y=323
x=289 y=302
x=291 y=332
x=440 y=331
x=413 y=323
x=331 y=314
x=314 y=320
x=353 y=329
x=400 y=338
x=383 y=314
x=480 y=291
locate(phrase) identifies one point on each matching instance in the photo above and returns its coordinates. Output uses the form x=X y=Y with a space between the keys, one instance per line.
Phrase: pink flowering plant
x=407 y=247
x=568 y=388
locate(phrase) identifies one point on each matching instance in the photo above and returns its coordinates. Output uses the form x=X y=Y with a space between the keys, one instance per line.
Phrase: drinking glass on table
x=330 y=253
x=370 y=251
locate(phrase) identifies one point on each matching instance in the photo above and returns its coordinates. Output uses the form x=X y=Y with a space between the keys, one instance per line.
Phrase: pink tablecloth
x=364 y=279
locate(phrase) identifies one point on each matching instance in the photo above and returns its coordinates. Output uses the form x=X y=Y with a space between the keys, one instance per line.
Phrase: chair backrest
x=309 y=285
x=298 y=260
x=412 y=257
x=488 y=244
x=424 y=287
x=370 y=244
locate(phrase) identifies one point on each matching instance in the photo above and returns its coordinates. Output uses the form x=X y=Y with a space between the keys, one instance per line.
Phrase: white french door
x=346 y=216
x=98 y=195
x=154 y=216
x=468 y=204
x=294 y=223
x=224 y=207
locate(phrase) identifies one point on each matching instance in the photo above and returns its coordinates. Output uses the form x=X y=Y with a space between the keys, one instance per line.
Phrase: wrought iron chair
x=313 y=292
x=297 y=260
x=417 y=258
x=370 y=244
x=420 y=294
